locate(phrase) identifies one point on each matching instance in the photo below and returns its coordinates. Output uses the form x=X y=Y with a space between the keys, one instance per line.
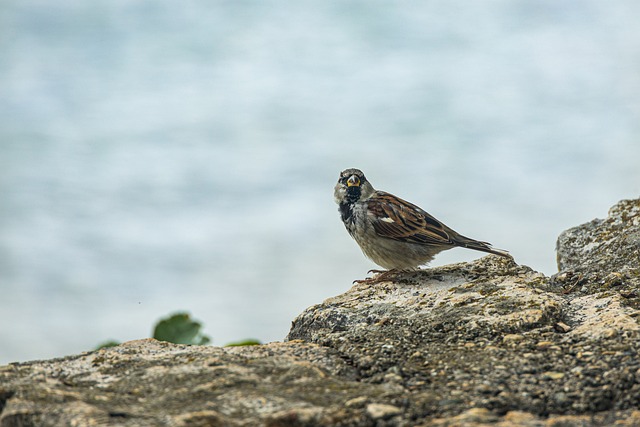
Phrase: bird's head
x=352 y=187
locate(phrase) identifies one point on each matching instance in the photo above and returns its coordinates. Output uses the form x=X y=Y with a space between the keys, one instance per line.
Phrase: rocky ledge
x=488 y=342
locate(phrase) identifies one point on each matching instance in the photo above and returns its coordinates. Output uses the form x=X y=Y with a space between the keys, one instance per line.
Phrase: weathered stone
x=603 y=245
x=512 y=338
x=603 y=256
x=382 y=411
x=474 y=344
x=147 y=382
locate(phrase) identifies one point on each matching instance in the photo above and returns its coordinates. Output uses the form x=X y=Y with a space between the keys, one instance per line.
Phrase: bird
x=394 y=233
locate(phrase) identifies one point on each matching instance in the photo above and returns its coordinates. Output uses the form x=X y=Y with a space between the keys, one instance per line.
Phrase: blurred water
x=157 y=157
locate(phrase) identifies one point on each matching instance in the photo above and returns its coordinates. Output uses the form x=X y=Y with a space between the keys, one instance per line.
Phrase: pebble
x=379 y=411
x=552 y=375
x=512 y=338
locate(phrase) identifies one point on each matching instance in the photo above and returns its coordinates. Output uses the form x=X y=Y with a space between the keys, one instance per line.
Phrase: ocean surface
x=159 y=156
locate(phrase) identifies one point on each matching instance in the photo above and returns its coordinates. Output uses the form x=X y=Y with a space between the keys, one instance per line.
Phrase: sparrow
x=393 y=233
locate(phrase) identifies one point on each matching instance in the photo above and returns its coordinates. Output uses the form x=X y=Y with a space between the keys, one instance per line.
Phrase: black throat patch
x=353 y=194
x=346 y=207
x=346 y=212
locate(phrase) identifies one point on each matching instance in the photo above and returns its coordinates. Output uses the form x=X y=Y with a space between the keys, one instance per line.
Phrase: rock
x=474 y=344
x=522 y=348
x=562 y=327
x=147 y=382
x=603 y=245
x=512 y=338
x=381 y=411
x=552 y=375
x=603 y=255
x=474 y=416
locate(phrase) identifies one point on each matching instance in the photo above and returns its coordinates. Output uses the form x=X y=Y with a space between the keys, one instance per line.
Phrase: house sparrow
x=393 y=233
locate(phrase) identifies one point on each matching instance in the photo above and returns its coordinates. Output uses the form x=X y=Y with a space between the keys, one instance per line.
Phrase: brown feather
x=395 y=218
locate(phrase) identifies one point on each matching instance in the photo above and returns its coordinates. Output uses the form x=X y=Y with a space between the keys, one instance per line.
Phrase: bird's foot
x=380 y=276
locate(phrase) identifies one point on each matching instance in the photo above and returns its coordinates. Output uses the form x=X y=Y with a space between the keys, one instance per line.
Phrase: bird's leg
x=381 y=275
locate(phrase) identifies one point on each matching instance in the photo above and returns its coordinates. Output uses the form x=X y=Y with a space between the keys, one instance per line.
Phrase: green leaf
x=248 y=341
x=180 y=329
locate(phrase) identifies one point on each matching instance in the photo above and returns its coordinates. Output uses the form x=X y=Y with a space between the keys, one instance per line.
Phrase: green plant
x=249 y=341
x=179 y=328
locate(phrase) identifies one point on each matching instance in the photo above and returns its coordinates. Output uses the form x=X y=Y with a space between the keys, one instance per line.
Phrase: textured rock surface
x=603 y=245
x=482 y=343
x=502 y=339
x=150 y=383
x=603 y=255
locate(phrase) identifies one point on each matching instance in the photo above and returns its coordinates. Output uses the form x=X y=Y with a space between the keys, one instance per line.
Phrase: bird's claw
x=381 y=275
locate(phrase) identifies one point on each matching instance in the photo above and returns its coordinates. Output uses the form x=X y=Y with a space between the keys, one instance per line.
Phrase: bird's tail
x=477 y=245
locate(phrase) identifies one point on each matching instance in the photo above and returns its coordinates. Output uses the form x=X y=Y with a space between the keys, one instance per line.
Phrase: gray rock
x=603 y=246
x=382 y=411
x=151 y=383
x=602 y=257
x=488 y=334
x=488 y=342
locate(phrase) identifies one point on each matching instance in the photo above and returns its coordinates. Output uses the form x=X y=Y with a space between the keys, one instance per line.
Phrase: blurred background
x=159 y=156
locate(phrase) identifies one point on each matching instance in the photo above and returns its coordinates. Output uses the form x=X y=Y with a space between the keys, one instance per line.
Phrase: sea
x=160 y=157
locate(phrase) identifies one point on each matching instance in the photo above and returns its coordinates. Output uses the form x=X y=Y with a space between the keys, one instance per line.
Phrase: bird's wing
x=398 y=219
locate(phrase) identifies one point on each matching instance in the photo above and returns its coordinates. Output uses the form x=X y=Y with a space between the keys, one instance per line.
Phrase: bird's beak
x=353 y=181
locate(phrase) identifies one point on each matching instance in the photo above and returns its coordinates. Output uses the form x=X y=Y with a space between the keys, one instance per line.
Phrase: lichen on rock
x=603 y=254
